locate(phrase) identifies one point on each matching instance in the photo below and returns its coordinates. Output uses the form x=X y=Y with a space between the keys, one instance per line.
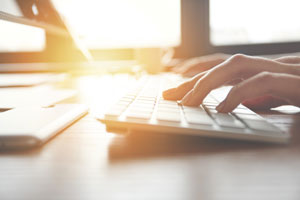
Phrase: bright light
x=17 y=37
x=254 y=21
x=20 y=38
x=123 y=23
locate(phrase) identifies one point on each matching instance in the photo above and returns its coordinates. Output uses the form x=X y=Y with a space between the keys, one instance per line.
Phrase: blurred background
x=111 y=30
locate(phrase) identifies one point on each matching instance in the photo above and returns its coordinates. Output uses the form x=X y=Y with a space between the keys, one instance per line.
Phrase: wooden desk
x=85 y=162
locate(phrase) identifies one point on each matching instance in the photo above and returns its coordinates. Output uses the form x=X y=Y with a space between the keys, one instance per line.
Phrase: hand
x=193 y=66
x=256 y=77
x=268 y=101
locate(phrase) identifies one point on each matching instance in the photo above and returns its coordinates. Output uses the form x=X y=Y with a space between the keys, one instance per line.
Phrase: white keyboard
x=144 y=110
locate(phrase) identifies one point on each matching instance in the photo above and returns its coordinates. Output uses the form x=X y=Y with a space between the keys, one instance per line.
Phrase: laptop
x=143 y=110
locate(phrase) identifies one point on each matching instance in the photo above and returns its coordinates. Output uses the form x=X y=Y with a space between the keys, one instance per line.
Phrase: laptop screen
x=235 y=22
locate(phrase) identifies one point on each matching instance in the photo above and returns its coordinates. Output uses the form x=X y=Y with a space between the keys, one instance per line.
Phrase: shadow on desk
x=143 y=146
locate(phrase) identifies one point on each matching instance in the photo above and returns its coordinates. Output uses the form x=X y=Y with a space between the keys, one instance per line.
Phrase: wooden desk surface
x=86 y=162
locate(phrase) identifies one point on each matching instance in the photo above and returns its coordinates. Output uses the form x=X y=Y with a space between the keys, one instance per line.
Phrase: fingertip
x=225 y=107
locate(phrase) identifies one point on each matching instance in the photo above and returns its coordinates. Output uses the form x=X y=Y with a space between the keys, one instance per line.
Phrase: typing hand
x=193 y=66
x=257 y=81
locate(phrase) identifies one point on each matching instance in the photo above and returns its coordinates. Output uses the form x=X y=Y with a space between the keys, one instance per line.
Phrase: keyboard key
x=249 y=116
x=168 y=106
x=209 y=100
x=136 y=116
x=227 y=120
x=168 y=110
x=199 y=118
x=188 y=109
x=243 y=111
x=261 y=125
x=142 y=105
x=140 y=110
x=163 y=116
x=165 y=102
x=114 y=113
x=211 y=108
x=146 y=98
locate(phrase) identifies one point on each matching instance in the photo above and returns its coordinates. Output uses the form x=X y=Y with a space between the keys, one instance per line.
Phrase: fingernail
x=221 y=106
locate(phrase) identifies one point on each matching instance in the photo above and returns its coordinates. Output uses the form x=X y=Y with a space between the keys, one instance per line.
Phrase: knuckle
x=266 y=77
x=236 y=62
x=238 y=58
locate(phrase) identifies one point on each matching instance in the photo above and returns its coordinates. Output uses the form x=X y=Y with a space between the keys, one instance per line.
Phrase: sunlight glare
x=123 y=23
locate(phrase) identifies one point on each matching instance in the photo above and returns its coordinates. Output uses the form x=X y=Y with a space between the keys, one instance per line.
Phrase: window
x=254 y=21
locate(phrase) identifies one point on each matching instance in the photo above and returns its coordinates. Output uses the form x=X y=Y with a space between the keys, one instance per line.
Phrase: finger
x=237 y=67
x=178 y=66
x=279 y=85
x=201 y=66
x=212 y=79
x=264 y=103
x=182 y=66
x=289 y=59
x=191 y=72
x=234 y=82
x=180 y=91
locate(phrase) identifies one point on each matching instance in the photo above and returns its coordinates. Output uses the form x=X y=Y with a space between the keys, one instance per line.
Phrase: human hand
x=193 y=66
x=268 y=101
x=257 y=77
